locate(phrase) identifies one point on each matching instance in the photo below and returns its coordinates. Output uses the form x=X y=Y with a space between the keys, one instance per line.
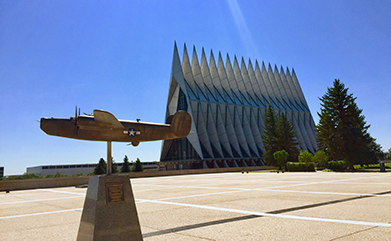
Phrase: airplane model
x=104 y=126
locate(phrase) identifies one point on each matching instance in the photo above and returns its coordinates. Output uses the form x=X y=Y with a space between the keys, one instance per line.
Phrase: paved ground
x=228 y=206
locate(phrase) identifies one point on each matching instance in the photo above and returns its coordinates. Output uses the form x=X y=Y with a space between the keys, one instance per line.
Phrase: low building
x=73 y=169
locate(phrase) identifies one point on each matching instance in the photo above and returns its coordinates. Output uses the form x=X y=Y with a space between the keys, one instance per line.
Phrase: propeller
x=75 y=119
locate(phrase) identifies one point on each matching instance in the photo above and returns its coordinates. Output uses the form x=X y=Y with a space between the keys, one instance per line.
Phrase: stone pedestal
x=109 y=211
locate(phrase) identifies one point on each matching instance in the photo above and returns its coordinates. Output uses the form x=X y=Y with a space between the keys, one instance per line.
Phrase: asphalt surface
x=226 y=206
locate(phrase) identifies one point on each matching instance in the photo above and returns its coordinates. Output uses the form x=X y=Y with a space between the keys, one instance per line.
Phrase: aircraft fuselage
x=103 y=126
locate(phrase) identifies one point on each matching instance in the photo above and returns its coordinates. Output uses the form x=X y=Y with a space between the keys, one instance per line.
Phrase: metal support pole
x=109 y=158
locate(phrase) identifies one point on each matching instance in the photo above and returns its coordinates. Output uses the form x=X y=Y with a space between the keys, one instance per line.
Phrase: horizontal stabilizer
x=108 y=119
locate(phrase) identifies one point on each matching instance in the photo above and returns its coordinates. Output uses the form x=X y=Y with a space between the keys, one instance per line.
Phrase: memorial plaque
x=115 y=193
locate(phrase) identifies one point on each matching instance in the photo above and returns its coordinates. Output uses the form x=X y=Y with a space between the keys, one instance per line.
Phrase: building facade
x=73 y=169
x=227 y=103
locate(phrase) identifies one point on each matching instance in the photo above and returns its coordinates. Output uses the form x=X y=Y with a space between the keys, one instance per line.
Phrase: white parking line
x=270 y=180
x=366 y=183
x=36 y=214
x=271 y=215
x=323 y=182
x=266 y=189
x=234 y=190
x=41 y=200
x=326 y=193
x=204 y=194
x=66 y=192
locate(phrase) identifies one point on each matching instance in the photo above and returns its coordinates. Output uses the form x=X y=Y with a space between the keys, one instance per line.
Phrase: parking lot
x=224 y=206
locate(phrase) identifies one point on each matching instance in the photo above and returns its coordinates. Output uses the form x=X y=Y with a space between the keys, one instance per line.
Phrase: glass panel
x=219 y=97
x=182 y=103
x=200 y=93
x=210 y=96
x=190 y=92
x=228 y=98
x=237 y=99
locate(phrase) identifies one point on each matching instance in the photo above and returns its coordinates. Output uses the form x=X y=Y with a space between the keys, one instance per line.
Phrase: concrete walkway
x=225 y=206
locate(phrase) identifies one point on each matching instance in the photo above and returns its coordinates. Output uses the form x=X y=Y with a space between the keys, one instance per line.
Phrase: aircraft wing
x=108 y=119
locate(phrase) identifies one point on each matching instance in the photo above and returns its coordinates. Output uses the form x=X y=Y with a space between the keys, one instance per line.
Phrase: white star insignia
x=131 y=132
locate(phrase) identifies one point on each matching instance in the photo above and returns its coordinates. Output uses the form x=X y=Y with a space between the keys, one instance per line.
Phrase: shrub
x=321 y=158
x=25 y=176
x=300 y=166
x=56 y=175
x=306 y=157
x=337 y=166
x=281 y=157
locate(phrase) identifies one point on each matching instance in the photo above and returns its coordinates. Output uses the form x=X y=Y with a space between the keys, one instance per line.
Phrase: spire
x=187 y=73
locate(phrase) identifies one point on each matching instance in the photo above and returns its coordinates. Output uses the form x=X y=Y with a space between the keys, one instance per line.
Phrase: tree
x=114 y=168
x=278 y=135
x=125 y=167
x=286 y=137
x=269 y=136
x=281 y=157
x=321 y=158
x=342 y=131
x=388 y=154
x=138 y=167
x=374 y=152
x=101 y=167
x=305 y=157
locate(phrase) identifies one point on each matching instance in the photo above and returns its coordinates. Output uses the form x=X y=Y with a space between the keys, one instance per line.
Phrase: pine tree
x=269 y=136
x=101 y=167
x=114 y=168
x=374 y=152
x=125 y=167
x=138 y=167
x=342 y=132
x=286 y=137
x=278 y=135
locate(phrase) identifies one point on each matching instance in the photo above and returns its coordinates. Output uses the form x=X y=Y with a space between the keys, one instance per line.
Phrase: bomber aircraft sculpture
x=104 y=126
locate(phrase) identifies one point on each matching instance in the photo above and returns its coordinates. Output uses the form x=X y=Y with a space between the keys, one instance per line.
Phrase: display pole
x=109 y=158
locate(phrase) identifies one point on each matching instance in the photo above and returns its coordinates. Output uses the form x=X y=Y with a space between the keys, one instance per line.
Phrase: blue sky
x=116 y=56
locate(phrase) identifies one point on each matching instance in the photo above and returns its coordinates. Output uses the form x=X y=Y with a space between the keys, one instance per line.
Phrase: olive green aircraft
x=104 y=126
